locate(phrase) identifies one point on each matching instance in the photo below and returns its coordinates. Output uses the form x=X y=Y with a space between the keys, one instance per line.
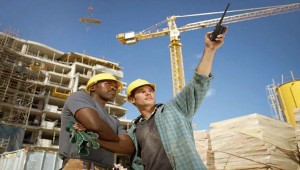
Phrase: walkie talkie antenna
x=219 y=29
x=221 y=20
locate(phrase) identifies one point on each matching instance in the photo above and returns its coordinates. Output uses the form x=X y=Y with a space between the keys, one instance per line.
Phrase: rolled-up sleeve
x=191 y=96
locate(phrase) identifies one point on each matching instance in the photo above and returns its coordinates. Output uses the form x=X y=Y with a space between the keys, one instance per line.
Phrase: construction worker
x=87 y=108
x=163 y=134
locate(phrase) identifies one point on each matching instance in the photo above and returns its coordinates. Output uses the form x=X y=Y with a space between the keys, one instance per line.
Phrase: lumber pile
x=297 y=128
x=254 y=142
x=203 y=147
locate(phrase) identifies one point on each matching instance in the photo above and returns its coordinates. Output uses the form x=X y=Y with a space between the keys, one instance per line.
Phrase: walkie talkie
x=219 y=28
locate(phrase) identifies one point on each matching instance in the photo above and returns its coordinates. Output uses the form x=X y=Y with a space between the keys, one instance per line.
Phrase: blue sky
x=254 y=53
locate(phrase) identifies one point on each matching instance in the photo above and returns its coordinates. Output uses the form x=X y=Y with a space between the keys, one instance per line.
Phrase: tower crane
x=175 y=46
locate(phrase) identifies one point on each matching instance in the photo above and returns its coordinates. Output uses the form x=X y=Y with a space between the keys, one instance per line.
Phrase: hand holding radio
x=219 y=29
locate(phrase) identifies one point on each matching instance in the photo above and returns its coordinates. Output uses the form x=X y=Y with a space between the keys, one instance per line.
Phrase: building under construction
x=35 y=82
x=37 y=79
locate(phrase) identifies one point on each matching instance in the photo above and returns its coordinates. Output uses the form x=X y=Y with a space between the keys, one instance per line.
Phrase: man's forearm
x=121 y=147
x=206 y=62
x=109 y=136
x=91 y=121
x=205 y=65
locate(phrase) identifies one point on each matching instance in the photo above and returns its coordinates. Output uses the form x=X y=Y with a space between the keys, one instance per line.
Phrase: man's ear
x=92 y=88
x=131 y=100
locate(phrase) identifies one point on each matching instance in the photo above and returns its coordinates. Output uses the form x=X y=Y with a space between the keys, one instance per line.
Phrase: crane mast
x=178 y=79
x=175 y=46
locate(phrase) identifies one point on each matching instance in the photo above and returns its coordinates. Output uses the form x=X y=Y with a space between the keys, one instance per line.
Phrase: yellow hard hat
x=103 y=76
x=138 y=83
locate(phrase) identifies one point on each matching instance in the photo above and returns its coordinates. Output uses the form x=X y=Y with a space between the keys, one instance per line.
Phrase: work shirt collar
x=141 y=119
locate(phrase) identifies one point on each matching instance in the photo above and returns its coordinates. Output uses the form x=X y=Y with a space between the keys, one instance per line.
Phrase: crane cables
x=150 y=29
x=231 y=11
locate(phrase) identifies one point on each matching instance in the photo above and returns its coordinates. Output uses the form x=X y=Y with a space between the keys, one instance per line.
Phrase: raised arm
x=191 y=96
x=210 y=49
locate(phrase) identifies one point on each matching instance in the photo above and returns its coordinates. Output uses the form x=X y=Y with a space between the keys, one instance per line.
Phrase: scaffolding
x=274 y=103
x=16 y=92
x=35 y=81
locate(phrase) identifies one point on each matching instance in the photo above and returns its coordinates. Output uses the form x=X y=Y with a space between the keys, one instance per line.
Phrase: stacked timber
x=297 y=128
x=203 y=147
x=254 y=142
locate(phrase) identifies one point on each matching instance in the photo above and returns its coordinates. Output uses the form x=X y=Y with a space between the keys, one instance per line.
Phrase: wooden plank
x=90 y=20
x=253 y=142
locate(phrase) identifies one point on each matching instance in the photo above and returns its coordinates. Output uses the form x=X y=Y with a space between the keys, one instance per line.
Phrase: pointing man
x=163 y=134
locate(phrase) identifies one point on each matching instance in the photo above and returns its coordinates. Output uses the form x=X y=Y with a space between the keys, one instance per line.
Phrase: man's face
x=106 y=90
x=143 y=96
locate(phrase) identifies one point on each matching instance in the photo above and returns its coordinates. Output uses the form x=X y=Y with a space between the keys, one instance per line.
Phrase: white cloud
x=198 y=56
x=211 y=92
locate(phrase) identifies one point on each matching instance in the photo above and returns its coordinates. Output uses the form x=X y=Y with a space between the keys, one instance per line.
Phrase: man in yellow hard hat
x=87 y=108
x=163 y=134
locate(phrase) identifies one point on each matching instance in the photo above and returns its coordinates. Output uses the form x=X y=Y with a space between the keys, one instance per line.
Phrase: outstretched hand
x=215 y=44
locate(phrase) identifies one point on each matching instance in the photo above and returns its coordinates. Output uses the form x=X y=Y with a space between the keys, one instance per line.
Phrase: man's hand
x=210 y=49
x=78 y=126
x=84 y=140
x=213 y=45
x=124 y=146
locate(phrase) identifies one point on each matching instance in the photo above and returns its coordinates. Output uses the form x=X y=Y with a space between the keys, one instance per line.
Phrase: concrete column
x=24 y=48
x=75 y=86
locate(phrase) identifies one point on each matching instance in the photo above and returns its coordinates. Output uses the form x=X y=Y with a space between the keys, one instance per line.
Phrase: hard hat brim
x=119 y=85
x=146 y=84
